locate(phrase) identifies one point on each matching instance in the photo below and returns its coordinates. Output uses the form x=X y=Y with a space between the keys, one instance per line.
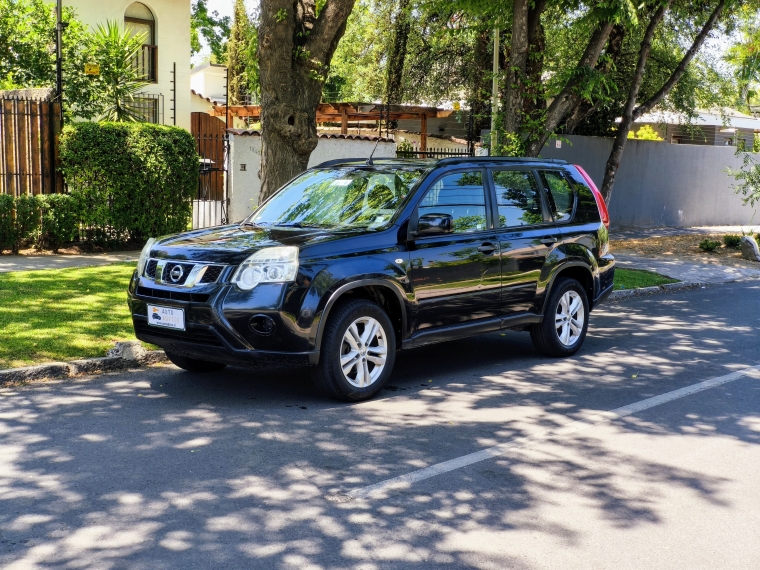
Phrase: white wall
x=172 y=19
x=210 y=80
x=245 y=149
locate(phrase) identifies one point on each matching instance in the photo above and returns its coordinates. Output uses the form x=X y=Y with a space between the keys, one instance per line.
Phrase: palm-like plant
x=117 y=51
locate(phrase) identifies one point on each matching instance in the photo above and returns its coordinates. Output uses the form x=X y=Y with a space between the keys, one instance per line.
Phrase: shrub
x=732 y=240
x=7 y=235
x=59 y=220
x=708 y=244
x=132 y=180
x=27 y=221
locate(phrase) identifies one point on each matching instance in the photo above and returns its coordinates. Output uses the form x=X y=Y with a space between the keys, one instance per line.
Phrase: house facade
x=164 y=60
x=711 y=128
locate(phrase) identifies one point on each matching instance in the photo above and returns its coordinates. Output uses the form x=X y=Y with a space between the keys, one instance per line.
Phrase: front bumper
x=217 y=324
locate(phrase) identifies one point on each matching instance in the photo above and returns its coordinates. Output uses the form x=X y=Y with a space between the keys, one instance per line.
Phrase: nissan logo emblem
x=176 y=273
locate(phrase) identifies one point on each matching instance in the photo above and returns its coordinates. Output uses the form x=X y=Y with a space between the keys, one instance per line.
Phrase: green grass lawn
x=63 y=314
x=635 y=278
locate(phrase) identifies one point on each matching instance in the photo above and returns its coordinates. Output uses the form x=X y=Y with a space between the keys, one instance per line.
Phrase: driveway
x=159 y=468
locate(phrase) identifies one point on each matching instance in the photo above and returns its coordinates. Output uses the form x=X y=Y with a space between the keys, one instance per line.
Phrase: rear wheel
x=565 y=323
x=358 y=352
x=192 y=364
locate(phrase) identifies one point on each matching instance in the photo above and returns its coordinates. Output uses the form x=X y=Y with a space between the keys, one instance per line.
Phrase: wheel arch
x=578 y=271
x=379 y=291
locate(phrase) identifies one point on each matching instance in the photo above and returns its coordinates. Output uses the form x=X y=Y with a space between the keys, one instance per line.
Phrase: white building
x=165 y=58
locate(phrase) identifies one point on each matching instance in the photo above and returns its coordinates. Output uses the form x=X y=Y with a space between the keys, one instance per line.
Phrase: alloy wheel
x=363 y=352
x=570 y=318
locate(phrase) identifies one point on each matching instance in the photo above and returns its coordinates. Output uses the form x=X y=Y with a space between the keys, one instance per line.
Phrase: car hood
x=234 y=243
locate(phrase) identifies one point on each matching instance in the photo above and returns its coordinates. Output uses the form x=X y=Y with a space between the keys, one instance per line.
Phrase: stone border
x=125 y=355
x=655 y=290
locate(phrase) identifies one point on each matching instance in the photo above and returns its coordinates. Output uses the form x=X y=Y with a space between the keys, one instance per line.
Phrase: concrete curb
x=125 y=355
x=656 y=290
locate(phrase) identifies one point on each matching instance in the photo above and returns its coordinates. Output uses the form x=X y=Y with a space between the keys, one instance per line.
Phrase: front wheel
x=565 y=323
x=358 y=352
x=192 y=364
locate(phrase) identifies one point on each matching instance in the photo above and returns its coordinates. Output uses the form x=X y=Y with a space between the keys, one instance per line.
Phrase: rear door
x=526 y=236
x=456 y=276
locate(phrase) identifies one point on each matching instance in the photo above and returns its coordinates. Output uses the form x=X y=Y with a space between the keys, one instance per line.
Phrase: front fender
x=329 y=284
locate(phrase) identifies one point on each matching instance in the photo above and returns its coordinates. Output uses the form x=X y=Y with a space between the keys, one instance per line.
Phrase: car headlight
x=269 y=265
x=144 y=255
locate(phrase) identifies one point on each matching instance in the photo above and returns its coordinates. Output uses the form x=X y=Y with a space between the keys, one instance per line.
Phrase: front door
x=456 y=276
x=526 y=236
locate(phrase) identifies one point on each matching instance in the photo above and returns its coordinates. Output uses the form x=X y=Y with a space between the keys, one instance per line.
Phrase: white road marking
x=405 y=481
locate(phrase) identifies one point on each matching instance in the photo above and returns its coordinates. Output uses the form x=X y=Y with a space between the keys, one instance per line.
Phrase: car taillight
x=600 y=203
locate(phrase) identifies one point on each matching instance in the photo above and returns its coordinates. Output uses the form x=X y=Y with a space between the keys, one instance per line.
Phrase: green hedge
x=46 y=220
x=132 y=181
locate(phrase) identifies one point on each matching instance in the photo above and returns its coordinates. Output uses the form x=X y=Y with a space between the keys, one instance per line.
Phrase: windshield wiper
x=299 y=225
x=252 y=225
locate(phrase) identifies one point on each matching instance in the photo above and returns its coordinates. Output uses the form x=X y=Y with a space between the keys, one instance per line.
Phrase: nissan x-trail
x=356 y=259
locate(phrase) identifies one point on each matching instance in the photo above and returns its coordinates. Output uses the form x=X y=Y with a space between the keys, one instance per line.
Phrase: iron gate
x=212 y=144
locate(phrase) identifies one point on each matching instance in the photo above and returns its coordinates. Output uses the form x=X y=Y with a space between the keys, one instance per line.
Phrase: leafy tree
x=115 y=49
x=296 y=46
x=211 y=27
x=27 y=32
x=645 y=133
x=745 y=58
x=242 y=35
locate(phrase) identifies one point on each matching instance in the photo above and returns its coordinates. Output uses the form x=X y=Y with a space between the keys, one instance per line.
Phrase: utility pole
x=59 y=54
x=494 y=91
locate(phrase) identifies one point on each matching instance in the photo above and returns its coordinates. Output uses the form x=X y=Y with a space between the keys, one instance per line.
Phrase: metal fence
x=433 y=153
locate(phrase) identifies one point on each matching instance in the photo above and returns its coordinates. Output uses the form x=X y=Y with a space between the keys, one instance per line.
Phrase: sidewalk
x=32 y=262
x=687 y=271
x=670 y=231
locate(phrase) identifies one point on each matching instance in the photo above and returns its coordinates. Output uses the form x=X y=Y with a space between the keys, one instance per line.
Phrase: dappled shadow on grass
x=63 y=314
x=167 y=469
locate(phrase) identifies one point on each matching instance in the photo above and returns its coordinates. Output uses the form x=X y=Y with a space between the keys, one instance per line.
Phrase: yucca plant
x=117 y=50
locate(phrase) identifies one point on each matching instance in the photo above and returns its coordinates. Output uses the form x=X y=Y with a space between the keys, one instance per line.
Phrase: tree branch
x=681 y=69
x=328 y=29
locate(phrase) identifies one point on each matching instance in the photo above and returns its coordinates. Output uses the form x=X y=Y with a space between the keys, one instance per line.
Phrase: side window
x=461 y=196
x=560 y=194
x=518 y=198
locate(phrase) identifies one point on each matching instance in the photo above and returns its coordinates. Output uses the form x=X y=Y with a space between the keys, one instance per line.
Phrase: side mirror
x=434 y=224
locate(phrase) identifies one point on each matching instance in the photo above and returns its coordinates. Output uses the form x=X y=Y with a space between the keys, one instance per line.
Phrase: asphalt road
x=158 y=469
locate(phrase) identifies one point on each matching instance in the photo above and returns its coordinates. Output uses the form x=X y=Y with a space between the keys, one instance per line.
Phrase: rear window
x=517 y=198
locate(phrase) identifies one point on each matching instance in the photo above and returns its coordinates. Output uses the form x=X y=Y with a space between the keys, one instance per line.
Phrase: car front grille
x=176 y=273
x=150 y=269
x=172 y=295
x=212 y=274
x=196 y=336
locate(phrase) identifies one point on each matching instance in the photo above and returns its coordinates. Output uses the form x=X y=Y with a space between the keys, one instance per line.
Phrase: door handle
x=548 y=240
x=487 y=248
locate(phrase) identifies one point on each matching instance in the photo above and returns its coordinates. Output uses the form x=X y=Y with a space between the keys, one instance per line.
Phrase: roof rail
x=459 y=159
x=363 y=160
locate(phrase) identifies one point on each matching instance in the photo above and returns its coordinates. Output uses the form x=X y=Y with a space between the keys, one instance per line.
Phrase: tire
x=362 y=379
x=193 y=365
x=563 y=340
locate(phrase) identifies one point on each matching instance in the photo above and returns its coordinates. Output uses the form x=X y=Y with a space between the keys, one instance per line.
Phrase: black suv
x=356 y=259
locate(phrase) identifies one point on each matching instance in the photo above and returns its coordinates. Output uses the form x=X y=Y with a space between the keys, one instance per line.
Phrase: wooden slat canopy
x=344 y=112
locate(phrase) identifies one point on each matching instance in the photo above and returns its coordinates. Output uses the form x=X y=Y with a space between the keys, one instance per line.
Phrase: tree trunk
x=518 y=60
x=295 y=49
x=629 y=117
x=535 y=102
x=478 y=78
x=569 y=97
x=394 y=88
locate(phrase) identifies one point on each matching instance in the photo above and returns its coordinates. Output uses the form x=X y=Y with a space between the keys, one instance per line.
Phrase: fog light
x=262 y=325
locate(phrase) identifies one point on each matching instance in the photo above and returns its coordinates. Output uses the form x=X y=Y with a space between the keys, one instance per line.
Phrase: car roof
x=448 y=161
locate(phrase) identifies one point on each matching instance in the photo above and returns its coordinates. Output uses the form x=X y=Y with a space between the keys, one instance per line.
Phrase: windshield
x=351 y=197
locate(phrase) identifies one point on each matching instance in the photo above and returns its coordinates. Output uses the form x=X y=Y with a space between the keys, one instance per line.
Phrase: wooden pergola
x=344 y=112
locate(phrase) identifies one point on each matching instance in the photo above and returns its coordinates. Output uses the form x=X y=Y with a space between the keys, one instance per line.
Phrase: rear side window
x=462 y=196
x=517 y=198
x=560 y=194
